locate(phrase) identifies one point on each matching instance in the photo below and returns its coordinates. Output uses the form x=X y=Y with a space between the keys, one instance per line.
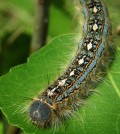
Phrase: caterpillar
x=93 y=57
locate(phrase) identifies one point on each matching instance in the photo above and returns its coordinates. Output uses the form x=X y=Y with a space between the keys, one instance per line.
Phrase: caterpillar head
x=40 y=113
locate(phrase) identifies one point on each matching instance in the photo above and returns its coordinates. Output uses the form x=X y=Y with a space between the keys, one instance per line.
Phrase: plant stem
x=41 y=24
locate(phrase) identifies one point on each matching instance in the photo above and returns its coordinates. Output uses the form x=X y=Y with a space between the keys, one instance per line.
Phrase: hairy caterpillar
x=84 y=72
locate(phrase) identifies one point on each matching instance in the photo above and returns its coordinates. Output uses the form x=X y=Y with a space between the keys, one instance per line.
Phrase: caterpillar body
x=84 y=72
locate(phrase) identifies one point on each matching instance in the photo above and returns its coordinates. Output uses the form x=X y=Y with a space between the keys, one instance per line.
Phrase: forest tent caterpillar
x=84 y=72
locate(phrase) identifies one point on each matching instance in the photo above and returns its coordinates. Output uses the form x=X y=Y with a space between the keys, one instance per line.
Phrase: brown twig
x=41 y=24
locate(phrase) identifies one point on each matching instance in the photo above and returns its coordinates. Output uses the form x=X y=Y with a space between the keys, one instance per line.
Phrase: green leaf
x=101 y=113
x=24 y=82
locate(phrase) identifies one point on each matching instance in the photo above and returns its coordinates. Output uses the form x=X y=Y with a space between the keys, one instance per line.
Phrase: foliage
x=101 y=113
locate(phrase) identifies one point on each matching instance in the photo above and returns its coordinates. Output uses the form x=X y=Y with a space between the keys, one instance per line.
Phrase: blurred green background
x=17 y=25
